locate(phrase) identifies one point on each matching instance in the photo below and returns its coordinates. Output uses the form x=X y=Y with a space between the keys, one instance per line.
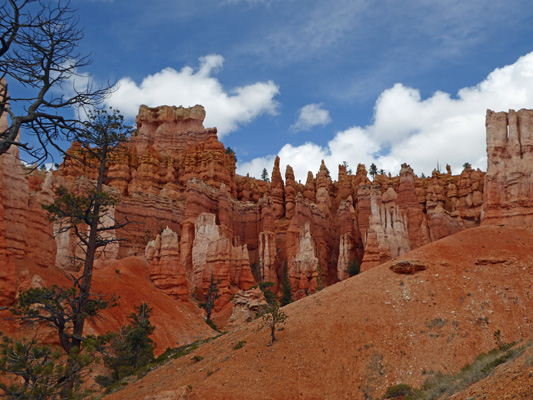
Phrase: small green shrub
x=444 y=385
x=400 y=389
x=239 y=345
x=197 y=358
x=353 y=268
x=211 y=324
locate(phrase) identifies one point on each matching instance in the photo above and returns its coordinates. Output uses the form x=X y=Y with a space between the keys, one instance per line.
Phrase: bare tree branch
x=38 y=49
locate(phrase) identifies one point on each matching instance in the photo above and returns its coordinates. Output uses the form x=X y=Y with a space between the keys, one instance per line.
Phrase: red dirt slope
x=356 y=338
x=176 y=323
x=511 y=380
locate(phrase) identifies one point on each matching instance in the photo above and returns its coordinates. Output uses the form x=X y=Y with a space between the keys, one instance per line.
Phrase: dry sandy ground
x=354 y=339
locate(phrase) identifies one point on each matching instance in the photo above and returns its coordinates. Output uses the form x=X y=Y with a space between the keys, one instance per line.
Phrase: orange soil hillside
x=176 y=323
x=354 y=339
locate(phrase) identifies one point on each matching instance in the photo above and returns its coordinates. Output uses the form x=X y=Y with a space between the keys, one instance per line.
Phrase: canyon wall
x=194 y=216
x=508 y=195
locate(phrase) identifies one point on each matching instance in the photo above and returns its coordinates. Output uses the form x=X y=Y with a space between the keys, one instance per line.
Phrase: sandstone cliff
x=508 y=195
x=175 y=173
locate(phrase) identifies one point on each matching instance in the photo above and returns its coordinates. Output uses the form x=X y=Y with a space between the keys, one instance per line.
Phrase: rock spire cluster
x=195 y=216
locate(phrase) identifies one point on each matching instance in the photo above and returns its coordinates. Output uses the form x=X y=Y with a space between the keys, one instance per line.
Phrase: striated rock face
x=194 y=216
x=213 y=253
x=247 y=305
x=278 y=191
x=157 y=128
x=508 y=195
x=304 y=267
x=267 y=257
x=166 y=270
x=350 y=243
x=387 y=234
x=27 y=232
x=408 y=204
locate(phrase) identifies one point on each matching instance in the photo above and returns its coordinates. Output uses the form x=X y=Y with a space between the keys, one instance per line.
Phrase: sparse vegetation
x=264 y=175
x=286 y=297
x=40 y=371
x=131 y=348
x=348 y=169
x=373 y=170
x=230 y=151
x=265 y=288
x=441 y=385
x=273 y=317
x=353 y=268
x=212 y=295
x=197 y=358
x=400 y=389
x=239 y=345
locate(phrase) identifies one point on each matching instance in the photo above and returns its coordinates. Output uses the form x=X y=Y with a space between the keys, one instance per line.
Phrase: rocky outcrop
x=28 y=234
x=508 y=194
x=217 y=255
x=278 y=191
x=387 y=234
x=247 y=305
x=304 y=269
x=175 y=173
x=166 y=270
x=407 y=201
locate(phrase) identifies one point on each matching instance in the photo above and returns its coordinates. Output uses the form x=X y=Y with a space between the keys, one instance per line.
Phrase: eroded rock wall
x=508 y=194
x=175 y=173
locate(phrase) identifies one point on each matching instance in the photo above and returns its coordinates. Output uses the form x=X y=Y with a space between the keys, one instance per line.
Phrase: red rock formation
x=214 y=254
x=8 y=275
x=303 y=269
x=387 y=234
x=350 y=245
x=278 y=191
x=166 y=270
x=508 y=195
x=247 y=305
x=290 y=192
x=176 y=173
x=409 y=206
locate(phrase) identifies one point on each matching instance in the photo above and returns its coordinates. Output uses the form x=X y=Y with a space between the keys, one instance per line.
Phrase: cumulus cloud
x=311 y=115
x=422 y=132
x=226 y=110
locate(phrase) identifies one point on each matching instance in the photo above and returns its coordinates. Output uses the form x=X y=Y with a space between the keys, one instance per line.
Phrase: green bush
x=239 y=345
x=400 y=389
x=131 y=347
x=354 y=267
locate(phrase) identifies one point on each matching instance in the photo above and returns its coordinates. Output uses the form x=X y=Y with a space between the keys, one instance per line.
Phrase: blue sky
x=344 y=80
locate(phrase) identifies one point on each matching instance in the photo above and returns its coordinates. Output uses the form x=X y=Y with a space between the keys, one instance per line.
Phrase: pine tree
x=286 y=297
x=273 y=317
x=212 y=295
x=373 y=171
x=264 y=175
x=131 y=347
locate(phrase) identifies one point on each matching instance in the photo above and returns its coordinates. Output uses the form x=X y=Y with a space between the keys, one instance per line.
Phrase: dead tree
x=38 y=49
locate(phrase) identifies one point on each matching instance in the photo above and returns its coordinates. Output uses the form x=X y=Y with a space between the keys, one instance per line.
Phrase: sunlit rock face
x=166 y=270
x=508 y=194
x=193 y=215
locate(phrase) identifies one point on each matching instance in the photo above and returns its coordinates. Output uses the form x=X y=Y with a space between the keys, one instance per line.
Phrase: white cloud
x=421 y=132
x=226 y=110
x=311 y=115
